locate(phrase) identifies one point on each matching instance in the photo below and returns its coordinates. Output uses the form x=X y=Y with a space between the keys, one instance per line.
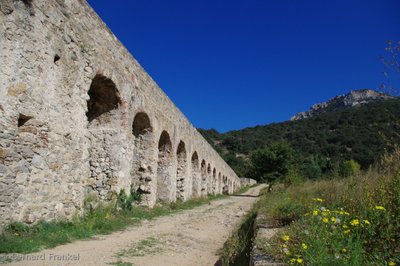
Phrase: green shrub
x=125 y=202
x=349 y=168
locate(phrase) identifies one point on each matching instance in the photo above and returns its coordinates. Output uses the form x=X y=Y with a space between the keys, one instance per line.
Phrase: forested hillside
x=320 y=143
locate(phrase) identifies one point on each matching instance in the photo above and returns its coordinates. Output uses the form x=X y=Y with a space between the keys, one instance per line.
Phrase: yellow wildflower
x=367 y=222
x=286 y=238
x=284 y=245
x=315 y=212
x=304 y=246
x=346 y=213
x=333 y=219
x=344 y=250
x=345 y=227
x=299 y=260
x=318 y=199
x=346 y=232
x=325 y=220
x=392 y=263
x=381 y=208
x=355 y=222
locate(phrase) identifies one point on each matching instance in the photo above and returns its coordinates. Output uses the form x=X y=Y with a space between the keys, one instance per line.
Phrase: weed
x=148 y=245
x=121 y=263
x=125 y=202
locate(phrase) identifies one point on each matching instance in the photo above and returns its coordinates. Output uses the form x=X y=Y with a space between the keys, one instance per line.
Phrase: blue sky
x=234 y=64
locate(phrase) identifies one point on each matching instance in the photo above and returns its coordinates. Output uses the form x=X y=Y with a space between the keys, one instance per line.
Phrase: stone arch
x=104 y=102
x=181 y=171
x=165 y=178
x=219 y=186
x=142 y=172
x=196 y=179
x=214 y=181
x=209 y=180
x=203 y=171
x=224 y=185
x=104 y=116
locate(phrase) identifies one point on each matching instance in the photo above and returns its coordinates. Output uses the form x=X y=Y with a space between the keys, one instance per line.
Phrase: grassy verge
x=104 y=219
x=353 y=221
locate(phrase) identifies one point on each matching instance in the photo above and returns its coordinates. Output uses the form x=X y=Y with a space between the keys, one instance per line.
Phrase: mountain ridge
x=344 y=101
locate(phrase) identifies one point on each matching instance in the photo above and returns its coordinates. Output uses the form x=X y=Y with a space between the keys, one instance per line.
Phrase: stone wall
x=79 y=115
x=244 y=181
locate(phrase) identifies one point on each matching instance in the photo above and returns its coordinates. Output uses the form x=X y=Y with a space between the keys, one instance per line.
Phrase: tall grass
x=353 y=221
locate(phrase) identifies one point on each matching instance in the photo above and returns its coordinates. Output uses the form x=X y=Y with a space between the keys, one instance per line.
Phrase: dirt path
x=190 y=237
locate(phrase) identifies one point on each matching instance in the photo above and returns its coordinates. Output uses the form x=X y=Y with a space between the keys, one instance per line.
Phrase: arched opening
x=196 y=180
x=181 y=171
x=219 y=183
x=203 y=171
x=104 y=116
x=165 y=181
x=104 y=101
x=225 y=185
x=209 y=180
x=214 y=181
x=142 y=172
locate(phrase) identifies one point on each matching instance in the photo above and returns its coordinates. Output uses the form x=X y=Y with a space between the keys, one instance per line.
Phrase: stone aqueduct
x=80 y=116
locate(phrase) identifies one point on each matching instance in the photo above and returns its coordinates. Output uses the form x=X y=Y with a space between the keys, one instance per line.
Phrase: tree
x=391 y=63
x=272 y=163
x=349 y=168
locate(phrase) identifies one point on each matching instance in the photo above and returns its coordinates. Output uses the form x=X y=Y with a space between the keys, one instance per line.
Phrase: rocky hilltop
x=345 y=101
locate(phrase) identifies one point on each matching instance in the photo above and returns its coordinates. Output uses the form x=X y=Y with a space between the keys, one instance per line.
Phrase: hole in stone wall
x=203 y=172
x=143 y=152
x=219 y=183
x=28 y=3
x=164 y=144
x=209 y=179
x=195 y=175
x=214 y=181
x=224 y=185
x=164 y=174
x=141 y=125
x=104 y=99
x=181 y=171
x=22 y=119
x=56 y=58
